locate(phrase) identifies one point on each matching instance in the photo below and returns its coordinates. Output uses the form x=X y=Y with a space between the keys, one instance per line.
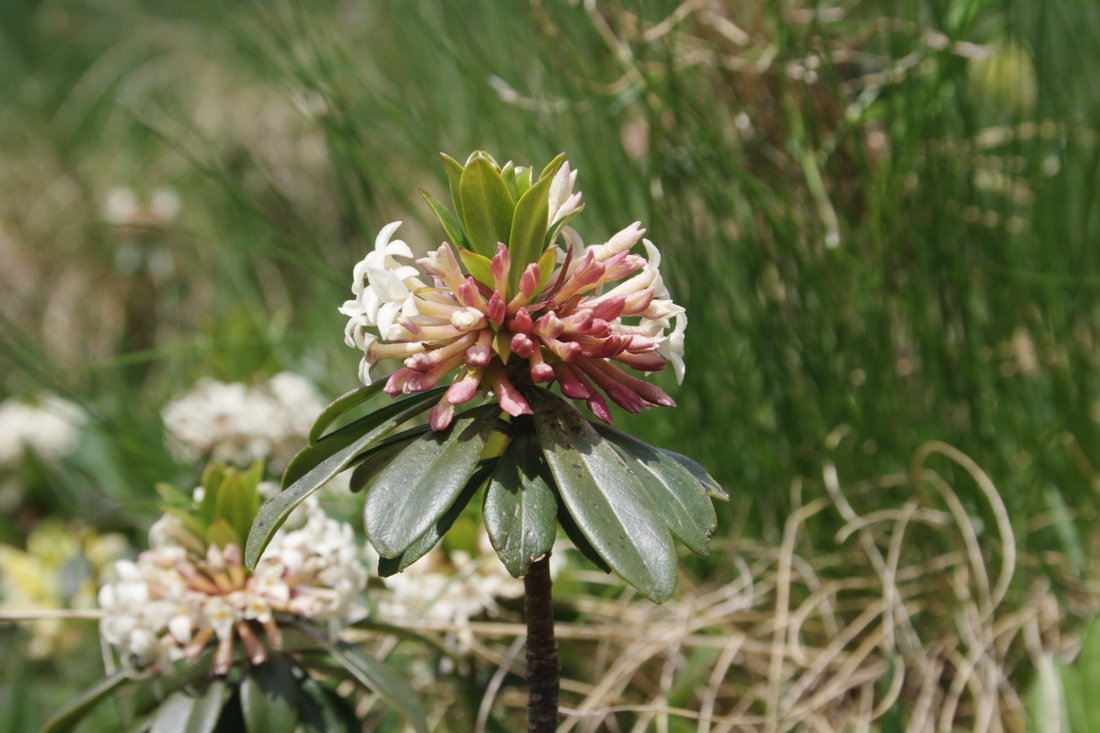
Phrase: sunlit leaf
x=612 y=508
x=520 y=507
x=486 y=206
x=450 y=223
x=477 y=265
x=421 y=482
x=681 y=499
x=454 y=179
x=525 y=239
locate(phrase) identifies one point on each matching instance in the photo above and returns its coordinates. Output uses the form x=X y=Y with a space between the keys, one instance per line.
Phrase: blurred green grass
x=880 y=215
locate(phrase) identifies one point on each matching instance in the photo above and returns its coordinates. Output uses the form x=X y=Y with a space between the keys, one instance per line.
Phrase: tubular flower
x=504 y=318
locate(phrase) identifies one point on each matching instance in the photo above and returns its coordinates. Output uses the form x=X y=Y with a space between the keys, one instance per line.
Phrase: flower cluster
x=570 y=314
x=182 y=595
x=50 y=429
x=237 y=423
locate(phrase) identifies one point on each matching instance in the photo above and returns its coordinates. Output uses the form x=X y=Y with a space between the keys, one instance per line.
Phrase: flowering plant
x=513 y=304
x=247 y=640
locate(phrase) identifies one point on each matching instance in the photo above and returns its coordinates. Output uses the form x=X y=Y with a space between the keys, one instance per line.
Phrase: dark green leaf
x=486 y=206
x=372 y=461
x=714 y=489
x=324 y=711
x=450 y=224
x=417 y=486
x=173 y=713
x=269 y=697
x=388 y=566
x=525 y=239
x=272 y=514
x=520 y=507
x=312 y=455
x=573 y=532
x=610 y=505
x=680 y=498
x=344 y=404
x=71 y=715
x=374 y=675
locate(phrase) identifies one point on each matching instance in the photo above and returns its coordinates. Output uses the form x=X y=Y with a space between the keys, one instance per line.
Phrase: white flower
x=236 y=423
x=50 y=429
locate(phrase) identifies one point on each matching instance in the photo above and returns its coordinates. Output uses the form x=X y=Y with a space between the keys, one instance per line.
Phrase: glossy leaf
x=414 y=490
x=713 y=488
x=70 y=716
x=486 y=206
x=525 y=239
x=269 y=697
x=388 y=566
x=580 y=542
x=335 y=441
x=450 y=224
x=374 y=675
x=372 y=461
x=272 y=514
x=612 y=508
x=520 y=507
x=344 y=404
x=680 y=498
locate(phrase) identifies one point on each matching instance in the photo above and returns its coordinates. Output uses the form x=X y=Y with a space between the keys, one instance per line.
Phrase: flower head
x=504 y=315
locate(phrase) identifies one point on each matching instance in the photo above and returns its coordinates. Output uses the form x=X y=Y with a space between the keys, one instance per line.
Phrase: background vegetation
x=881 y=215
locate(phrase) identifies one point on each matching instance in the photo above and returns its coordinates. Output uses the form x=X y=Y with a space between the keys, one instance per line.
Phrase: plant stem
x=543 y=671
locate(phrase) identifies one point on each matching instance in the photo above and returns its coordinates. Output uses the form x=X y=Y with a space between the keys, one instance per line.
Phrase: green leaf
x=525 y=239
x=486 y=206
x=344 y=404
x=520 y=507
x=454 y=179
x=237 y=503
x=221 y=533
x=418 y=485
x=324 y=711
x=555 y=229
x=372 y=461
x=552 y=167
x=212 y=477
x=311 y=456
x=573 y=532
x=680 y=498
x=450 y=224
x=477 y=265
x=70 y=716
x=376 y=425
x=269 y=697
x=546 y=262
x=714 y=489
x=208 y=708
x=374 y=675
x=612 y=508
x=388 y=566
x=173 y=713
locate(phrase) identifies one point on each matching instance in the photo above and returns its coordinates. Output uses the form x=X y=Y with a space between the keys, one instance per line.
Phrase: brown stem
x=543 y=671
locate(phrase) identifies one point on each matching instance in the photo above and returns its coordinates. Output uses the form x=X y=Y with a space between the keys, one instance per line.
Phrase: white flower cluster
x=175 y=600
x=50 y=429
x=237 y=423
